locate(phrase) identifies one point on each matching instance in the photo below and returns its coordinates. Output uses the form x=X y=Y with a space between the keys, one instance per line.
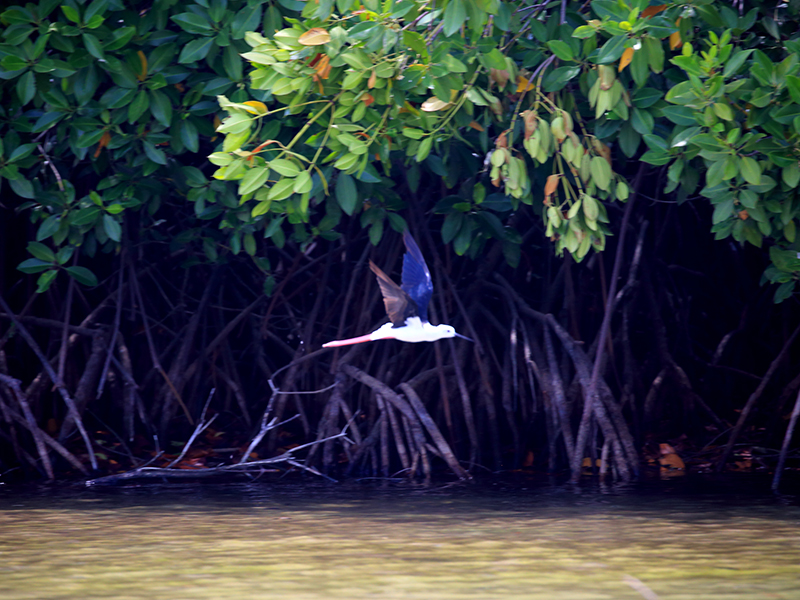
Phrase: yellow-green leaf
x=253 y=179
x=601 y=172
x=750 y=170
x=590 y=208
x=282 y=189
x=261 y=208
x=302 y=183
x=346 y=162
x=424 y=148
x=284 y=167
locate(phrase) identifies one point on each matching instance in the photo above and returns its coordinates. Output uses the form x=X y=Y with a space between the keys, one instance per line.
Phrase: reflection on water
x=354 y=541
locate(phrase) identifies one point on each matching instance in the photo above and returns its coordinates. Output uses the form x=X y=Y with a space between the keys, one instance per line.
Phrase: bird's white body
x=415 y=330
x=406 y=305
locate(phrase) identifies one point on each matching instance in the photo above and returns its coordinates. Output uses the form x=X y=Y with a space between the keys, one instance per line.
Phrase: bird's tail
x=349 y=342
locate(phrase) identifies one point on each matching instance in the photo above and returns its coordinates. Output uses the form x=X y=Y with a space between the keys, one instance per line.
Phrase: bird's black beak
x=463 y=337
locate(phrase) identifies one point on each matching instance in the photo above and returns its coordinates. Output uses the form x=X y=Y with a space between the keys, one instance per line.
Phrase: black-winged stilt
x=406 y=304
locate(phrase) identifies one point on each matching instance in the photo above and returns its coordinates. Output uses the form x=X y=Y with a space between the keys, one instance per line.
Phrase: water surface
x=326 y=541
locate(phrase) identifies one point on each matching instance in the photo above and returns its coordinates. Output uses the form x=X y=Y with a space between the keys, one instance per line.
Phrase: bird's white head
x=447 y=331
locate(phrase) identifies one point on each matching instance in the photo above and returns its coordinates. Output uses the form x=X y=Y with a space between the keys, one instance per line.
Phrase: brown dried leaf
x=499 y=77
x=653 y=10
x=627 y=56
x=675 y=40
x=551 y=185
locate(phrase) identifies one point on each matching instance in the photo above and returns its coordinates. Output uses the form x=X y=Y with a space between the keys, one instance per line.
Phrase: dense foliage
x=498 y=123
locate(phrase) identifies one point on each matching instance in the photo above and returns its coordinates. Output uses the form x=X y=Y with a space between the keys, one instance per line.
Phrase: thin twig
x=54 y=378
x=115 y=331
x=751 y=401
x=201 y=426
x=787 y=439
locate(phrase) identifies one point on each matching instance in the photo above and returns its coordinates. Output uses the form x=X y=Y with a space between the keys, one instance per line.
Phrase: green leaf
x=791 y=174
x=715 y=173
x=120 y=38
x=561 y=49
x=655 y=53
x=48 y=227
x=45 y=280
x=629 y=140
x=47 y=120
x=601 y=172
x=303 y=183
x=722 y=211
x=424 y=148
x=261 y=208
x=454 y=16
x=642 y=121
x=94 y=22
x=680 y=115
x=612 y=50
x=12 y=62
x=189 y=135
x=284 y=167
x=155 y=154
x=346 y=193
x=790 y=231
x=22 y=188
x=346 y=161
x=793 y=85
x=26 y=87
x=112 y=227
x=93 y=46
x=784 y=291
x=34 y=265
x=723 y=111
x=640 y=69
x=250 y=244
x=750 y=170
x=137 y=107
x=583 y=32
x=195 y=50
x=282 y=189
x=192 y=23
x=82 y=275
x=414 y=134
x=20 y=152
x=376 y=232
x=161 y=107
x=494 y=59
x=591 y=208
x=71 y=13
x=646 y=97
x=42 y=252
x=253 y=179
x=463 y=240
x=232 y=63
x=451 y=226
x=85 y=216
x=735 y=62
x=558 y=78
x=416 y=42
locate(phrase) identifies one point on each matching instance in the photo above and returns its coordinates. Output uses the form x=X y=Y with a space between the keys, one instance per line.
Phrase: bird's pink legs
x=356 y=340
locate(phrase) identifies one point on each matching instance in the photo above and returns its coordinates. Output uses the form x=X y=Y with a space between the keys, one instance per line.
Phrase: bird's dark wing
x=398 y=304
x=416 y=276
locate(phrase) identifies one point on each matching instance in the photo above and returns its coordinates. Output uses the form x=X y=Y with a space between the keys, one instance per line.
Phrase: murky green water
x=354 y=541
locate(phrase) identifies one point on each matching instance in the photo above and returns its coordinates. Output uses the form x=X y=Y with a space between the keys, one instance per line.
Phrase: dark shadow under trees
x=658 y=340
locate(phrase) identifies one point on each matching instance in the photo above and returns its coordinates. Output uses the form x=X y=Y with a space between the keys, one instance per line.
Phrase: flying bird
x=406 y=304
